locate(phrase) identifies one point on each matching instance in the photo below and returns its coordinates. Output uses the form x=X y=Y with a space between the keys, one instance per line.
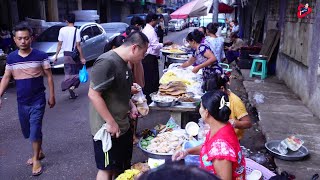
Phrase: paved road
x=67 y=139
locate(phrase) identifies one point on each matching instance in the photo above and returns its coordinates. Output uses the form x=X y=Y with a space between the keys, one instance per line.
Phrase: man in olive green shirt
x=109 y=94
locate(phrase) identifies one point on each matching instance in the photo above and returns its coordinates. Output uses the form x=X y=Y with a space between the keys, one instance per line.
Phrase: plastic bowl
x=192 y=128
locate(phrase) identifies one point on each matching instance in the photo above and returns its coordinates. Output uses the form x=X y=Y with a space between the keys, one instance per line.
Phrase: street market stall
x=173 y=50
x=179 y=93
x=194 y=8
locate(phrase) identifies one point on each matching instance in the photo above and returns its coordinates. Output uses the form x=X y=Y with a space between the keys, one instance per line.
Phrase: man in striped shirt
x=28 y=66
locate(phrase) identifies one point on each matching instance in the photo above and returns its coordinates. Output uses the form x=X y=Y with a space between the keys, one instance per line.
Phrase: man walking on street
x=150 y=62
x=69 y=39
x=110 y=94
x=28 y=66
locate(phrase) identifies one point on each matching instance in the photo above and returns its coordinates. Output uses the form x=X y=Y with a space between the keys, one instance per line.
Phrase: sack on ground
x=83 y=74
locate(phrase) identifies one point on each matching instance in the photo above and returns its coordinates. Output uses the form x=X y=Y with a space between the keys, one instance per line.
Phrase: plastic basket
x=252 y=165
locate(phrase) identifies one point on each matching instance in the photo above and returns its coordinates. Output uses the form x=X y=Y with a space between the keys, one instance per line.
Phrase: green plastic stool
x=254 y=70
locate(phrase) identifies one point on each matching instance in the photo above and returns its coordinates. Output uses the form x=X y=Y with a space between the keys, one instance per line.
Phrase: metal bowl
x=188 y=104
x=173 y=60
x=290 y=156
x=154 y=155
x=164 y=104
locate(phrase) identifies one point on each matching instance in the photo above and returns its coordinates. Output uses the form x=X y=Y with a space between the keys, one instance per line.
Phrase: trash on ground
x=258 y=97
x=259 y=158
x=258 y=81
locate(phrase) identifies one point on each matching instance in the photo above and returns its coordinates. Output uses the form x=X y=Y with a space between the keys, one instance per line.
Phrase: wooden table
x=179 y=113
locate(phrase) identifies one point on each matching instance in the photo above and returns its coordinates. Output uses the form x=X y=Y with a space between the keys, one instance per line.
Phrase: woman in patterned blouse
x=202 y=58
x=220 y=153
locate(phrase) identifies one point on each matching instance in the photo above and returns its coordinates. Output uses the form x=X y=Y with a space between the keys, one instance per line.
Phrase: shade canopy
x=194 y=8
x=223 y=8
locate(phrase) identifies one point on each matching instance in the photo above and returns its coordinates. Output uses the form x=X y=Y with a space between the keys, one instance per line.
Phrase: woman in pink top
x=221 y=152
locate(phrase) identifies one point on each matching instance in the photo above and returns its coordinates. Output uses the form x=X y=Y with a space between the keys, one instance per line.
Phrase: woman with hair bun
x=202 y=57
x=220 y=153
x=239 y=117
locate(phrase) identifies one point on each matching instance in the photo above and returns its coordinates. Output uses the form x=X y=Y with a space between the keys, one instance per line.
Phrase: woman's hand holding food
x=178 y=155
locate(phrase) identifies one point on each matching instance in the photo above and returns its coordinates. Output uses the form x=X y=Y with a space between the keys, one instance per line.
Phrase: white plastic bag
x=140 y=101
x=258 y=97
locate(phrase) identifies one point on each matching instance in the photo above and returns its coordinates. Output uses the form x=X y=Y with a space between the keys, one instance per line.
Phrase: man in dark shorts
x=110 y=94
x=28 y=66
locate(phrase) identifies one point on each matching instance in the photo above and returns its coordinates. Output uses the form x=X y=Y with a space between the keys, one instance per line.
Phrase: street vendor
x=239 y=117
x=221 y=152
x=202 y=58
x=233 y=52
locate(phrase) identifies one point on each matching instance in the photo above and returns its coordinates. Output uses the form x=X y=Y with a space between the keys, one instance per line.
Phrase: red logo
x=303 y=10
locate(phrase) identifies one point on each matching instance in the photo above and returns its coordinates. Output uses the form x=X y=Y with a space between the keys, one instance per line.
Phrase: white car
x=93 y=40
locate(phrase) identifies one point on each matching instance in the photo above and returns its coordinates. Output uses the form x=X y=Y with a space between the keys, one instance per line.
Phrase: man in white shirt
x=150 y=62
x=235 y=26
x=69 y=39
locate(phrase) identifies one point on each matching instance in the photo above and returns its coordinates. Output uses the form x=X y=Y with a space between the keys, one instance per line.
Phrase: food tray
x=167 y=51
x=290 y=156
x=155 y=155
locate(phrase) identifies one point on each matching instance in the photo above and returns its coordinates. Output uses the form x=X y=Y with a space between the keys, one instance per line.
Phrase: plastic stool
x=254 y=70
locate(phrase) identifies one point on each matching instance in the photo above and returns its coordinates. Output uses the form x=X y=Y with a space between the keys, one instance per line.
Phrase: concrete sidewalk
x=283 y=114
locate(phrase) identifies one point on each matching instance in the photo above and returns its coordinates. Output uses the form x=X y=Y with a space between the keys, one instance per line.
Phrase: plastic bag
x=83 y=74
x=172 y=124
x=259 y=98
x=138 y=98
x=140 y=101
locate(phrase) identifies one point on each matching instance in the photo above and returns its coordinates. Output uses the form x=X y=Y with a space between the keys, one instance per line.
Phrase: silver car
x=93 y=40
x=114 y=29
x=177 y=24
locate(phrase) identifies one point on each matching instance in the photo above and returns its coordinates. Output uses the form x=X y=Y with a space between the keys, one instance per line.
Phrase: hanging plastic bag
x=140 y=101
x=83 y=74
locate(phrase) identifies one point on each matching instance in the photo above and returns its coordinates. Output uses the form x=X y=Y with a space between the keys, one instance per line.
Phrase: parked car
x=93 y=40
x=114 y=29
x=194 y=22
x=177 y=24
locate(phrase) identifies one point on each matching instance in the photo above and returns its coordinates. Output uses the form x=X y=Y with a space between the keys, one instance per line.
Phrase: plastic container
x=252 y=165
x=191 y=159
x=192 y=128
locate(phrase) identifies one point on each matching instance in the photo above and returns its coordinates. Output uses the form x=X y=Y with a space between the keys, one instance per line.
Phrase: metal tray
x=290 y=156
x=155 y=155
x=175 y=60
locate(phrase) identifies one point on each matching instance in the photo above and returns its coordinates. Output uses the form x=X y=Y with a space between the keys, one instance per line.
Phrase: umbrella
x=194 y=8
x=223 y=8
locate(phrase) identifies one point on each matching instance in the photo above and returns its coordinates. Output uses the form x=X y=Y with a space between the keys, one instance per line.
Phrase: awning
x=223 y=8
x=194 y=8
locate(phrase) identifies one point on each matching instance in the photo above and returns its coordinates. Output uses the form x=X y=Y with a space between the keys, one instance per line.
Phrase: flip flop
x=37 y=173
x=30 y=163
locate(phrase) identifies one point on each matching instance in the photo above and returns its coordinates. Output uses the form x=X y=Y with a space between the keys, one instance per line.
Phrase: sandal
x=37 y=171
x=41 y=156
x=73 y=95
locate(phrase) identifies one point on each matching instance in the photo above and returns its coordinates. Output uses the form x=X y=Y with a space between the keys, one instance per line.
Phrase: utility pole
x=215 y=11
